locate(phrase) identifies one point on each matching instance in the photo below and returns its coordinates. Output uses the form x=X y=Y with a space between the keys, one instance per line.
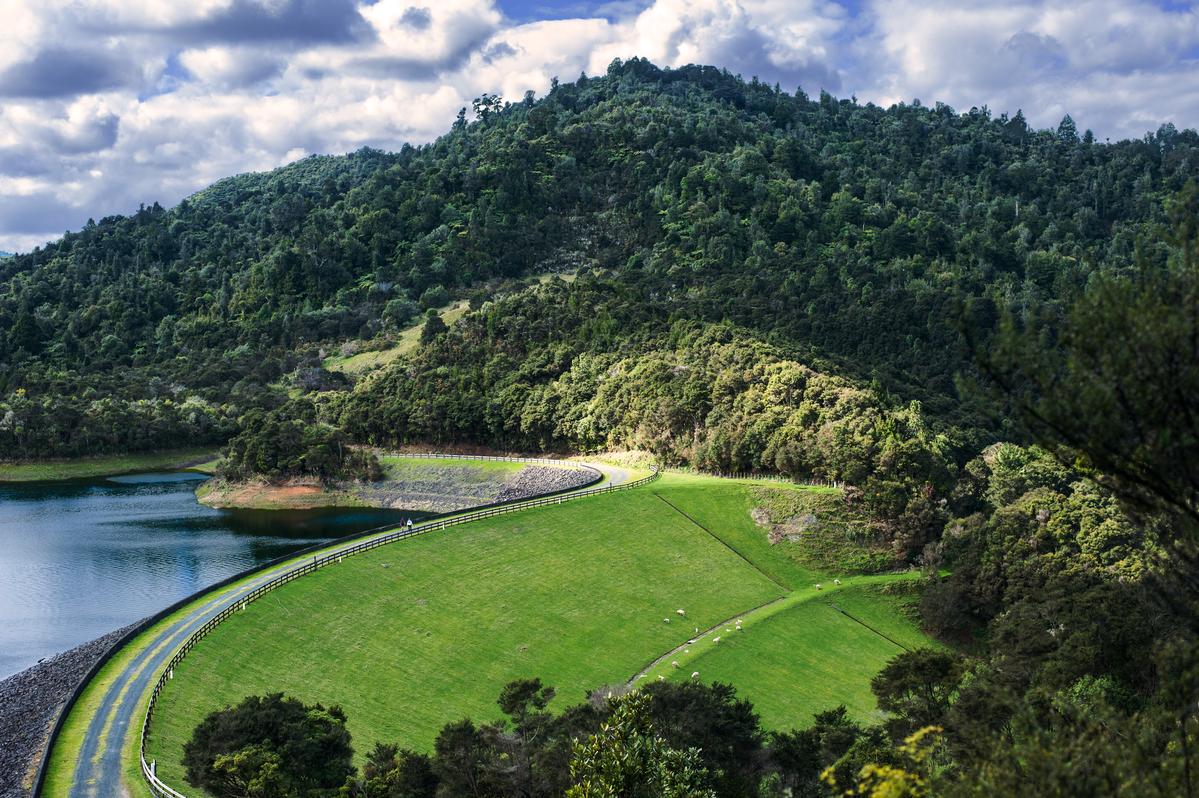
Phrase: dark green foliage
x=1121 y=387
x=628 y=758
x=390 y=772
x=846 y=232
x=270 y=746
x=723 y=728
x=277 y=445
x=703 y=731
x=917 y=687
x=433 y=327
x=532 y=371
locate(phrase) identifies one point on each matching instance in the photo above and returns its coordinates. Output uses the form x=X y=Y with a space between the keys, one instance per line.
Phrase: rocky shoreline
x=29 y=704
x=438 y=487
x=31 y=700
x=533 y=480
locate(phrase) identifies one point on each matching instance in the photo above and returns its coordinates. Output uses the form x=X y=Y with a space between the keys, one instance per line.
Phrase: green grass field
x=800 y=660
x=417 y=634
x=87 y=467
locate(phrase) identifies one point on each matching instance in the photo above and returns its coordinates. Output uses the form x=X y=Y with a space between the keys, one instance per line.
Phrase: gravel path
x=29 y=704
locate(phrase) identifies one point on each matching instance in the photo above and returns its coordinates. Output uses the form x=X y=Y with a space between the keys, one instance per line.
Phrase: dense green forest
x=985 y=330
x=852 y=237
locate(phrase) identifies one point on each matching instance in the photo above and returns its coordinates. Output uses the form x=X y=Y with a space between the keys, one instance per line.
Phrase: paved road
x=98 y=772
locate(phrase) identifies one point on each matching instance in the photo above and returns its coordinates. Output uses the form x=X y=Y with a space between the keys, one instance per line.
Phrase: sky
x=106 y=104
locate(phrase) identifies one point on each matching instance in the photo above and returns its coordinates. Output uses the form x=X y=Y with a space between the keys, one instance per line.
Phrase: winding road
x=115 y=726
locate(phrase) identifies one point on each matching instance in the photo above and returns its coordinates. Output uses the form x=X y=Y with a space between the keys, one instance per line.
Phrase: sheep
x=686 y=651
x=661 y=678
x=674 y=664
x=819 y=587
x=679 y=612
x=695 y=674
x=836 y=581
x=715 y=639
x=665 y=620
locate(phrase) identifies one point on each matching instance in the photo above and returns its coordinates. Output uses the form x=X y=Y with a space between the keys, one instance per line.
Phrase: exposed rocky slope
x=29 y=703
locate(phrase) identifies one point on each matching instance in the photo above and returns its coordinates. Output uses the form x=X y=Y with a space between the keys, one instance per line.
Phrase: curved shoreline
x=65 y=470
x=112 y=696
x=446 y=484
x=30 y=702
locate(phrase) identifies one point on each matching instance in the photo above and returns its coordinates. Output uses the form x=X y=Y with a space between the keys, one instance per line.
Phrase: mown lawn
x=417 y=634
x=811 y=657
x=723 y=508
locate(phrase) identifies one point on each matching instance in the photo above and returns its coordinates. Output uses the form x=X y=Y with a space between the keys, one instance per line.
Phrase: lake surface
x=79 y=559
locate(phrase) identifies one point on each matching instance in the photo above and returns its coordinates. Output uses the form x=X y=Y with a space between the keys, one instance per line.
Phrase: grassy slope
x=805 y=658
x=531 y=561
x=69 y=741
x=796 y=656
x=85 y=467
x=722 y=507
x=433 y=636
x=406 y=342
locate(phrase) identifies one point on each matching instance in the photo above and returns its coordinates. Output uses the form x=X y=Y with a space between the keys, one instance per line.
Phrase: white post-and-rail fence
x=163 y=790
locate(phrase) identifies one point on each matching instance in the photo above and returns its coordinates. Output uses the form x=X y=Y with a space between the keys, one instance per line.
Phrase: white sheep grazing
x=674 y=664
x=836 y=581
x=661 y=678
x=665 y=620
x=679 y=612
x=819 y=587
x=715 y=639
x=695 y=674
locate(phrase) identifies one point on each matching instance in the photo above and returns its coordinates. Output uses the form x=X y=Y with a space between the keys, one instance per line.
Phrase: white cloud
x=111 y=103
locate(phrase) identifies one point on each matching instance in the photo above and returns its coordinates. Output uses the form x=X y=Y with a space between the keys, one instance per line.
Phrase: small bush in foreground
x=270 y=747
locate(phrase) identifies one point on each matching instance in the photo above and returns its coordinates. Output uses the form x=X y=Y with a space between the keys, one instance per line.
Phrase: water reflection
x=81 y=558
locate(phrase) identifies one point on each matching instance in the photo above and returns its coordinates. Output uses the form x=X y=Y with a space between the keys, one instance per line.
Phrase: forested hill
x=844 y=236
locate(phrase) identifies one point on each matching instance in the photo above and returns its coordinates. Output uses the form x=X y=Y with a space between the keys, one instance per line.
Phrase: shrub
x=270 y=746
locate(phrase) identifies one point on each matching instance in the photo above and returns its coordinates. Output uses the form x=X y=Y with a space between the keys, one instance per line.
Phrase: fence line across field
x=149 y=770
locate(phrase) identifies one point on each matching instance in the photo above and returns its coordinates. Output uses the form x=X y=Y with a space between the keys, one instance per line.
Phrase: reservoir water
x=79 y=559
